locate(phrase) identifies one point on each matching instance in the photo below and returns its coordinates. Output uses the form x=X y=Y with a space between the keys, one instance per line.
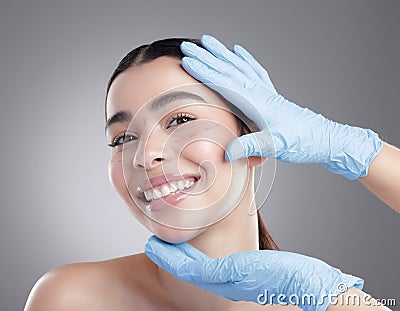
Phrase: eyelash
x=115 y=142
x=131 y=137
x=181 y=116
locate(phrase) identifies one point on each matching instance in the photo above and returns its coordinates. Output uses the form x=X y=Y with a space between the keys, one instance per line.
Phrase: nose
x=149 y=153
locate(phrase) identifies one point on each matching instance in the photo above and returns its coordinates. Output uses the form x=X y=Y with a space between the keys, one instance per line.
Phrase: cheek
x=200 y=151
x=116 y=177
x=211 y=157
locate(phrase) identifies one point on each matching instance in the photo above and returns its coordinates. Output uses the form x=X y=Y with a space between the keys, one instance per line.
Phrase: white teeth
x=156 y=194
x=167 y=189
x=148 y=195
x=181 y=185
x=173 y=186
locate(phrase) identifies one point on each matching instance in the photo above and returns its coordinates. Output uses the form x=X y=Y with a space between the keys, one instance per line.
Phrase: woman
x=135 y=282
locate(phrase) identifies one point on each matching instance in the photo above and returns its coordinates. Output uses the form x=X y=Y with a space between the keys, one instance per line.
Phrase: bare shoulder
x=115 y=284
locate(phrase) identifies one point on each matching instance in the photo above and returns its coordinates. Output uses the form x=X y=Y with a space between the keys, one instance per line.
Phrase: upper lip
x=163 y=179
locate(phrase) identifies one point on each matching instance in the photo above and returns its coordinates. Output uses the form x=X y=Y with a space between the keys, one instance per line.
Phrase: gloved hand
x=288 y=132
x=258 y=276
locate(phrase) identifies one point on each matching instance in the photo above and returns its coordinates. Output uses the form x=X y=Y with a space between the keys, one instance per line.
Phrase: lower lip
x=165 y=203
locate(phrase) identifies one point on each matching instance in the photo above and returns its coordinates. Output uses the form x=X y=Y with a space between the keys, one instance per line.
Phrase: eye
x=180 y=119
x=122 y=139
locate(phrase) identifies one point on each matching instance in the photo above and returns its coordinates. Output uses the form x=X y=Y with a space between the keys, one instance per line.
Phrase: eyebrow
x=119 y=117
x=157 y=104
x=165 y=99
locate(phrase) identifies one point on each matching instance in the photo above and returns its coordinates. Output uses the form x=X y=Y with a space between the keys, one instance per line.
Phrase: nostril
x=158 y=159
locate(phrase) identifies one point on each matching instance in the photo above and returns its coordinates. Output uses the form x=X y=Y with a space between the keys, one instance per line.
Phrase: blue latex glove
x=255 y=275
x=295 y=134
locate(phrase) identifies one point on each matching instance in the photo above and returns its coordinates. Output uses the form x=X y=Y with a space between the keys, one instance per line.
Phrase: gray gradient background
x=339 y=58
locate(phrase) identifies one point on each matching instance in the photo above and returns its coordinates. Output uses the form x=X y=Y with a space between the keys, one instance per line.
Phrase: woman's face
x=170 y=166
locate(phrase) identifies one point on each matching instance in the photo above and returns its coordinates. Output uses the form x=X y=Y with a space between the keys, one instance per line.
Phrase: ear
x=256 y=161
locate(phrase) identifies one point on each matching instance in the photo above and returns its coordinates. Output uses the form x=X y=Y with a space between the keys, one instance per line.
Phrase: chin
x=175 y=236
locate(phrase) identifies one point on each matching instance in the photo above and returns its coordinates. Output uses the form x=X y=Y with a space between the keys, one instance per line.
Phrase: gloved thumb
x=253 y=144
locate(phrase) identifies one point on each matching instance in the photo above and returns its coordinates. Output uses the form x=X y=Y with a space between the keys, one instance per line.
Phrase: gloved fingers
x=193 y=51
x=205 y=73
x=192 y=252
x=220 y=51
x=255 y=65
x=233 y=292
x=168 y=257
x=217 y=81
x=254 y=144
x=163 y=253
x=232 y=268
x=231 y=89
x=177 y=260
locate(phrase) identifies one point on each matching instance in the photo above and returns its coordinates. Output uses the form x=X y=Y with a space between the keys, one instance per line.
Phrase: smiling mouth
x=167 y=189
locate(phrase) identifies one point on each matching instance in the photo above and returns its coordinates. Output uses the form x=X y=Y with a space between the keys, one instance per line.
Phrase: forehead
x=133 y=88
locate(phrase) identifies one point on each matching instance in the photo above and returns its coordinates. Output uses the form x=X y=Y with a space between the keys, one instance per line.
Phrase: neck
x=237 y=232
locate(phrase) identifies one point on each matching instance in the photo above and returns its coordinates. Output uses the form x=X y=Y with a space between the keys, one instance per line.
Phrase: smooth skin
x=383 y=177
x=342 y=149
x=135 y=282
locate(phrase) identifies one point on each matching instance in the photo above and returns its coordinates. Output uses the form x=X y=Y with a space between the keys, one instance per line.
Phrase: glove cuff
x=344 y=283
x=352 y=150
x=325 y=296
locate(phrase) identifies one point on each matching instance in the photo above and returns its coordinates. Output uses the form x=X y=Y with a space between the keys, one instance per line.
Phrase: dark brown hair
x=171 y=47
